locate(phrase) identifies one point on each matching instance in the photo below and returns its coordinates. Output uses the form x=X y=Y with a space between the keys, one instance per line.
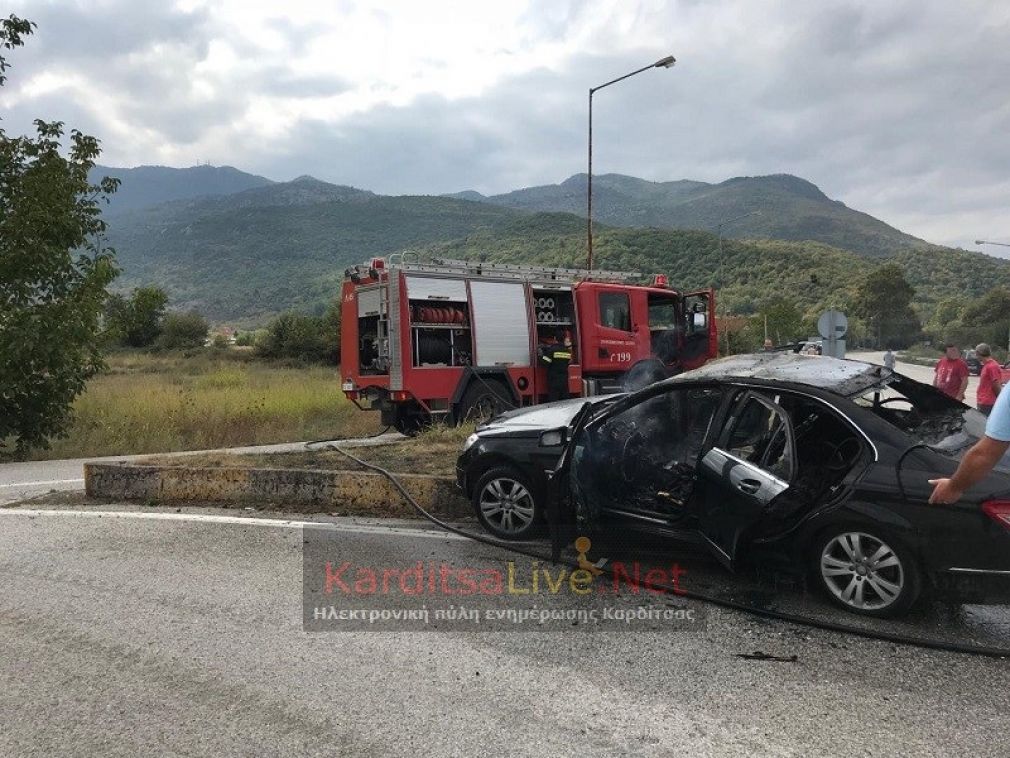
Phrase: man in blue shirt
x=980 y=459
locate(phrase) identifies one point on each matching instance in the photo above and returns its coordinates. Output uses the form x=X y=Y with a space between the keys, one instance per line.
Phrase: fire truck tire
x=483 y=400
x=409 y=421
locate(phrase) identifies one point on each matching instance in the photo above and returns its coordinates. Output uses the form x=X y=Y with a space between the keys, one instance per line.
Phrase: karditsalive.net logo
x=344 y=594
x=516 y=579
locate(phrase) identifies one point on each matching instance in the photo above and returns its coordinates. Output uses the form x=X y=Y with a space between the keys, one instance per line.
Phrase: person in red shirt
x=990 y=379
x=951 y=373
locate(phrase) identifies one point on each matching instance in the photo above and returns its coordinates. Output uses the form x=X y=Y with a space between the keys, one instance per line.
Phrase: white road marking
x=38 y=484
x=391 y=531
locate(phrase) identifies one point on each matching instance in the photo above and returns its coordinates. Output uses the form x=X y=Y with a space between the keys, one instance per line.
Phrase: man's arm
x=964 y=386
x=976 y=463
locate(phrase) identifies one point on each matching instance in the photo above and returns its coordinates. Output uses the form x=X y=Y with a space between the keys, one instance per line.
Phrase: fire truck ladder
x=511 y=271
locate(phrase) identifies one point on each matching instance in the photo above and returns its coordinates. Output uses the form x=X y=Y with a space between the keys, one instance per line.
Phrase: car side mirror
x=554 y=437
x=699 y=320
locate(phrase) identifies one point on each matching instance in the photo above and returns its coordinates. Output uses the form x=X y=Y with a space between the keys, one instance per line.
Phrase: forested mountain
x=782 y=207
x=145 y=186
x=243 y=256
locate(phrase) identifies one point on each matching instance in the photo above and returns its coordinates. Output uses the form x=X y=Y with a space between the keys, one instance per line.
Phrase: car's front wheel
x=866 y=571
x=506 y=503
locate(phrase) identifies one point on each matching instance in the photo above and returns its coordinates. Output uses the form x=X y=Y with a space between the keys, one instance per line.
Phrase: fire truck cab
x=457 y=339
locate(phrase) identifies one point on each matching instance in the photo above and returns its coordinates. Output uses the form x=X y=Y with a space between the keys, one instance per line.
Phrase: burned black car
x=823 y=461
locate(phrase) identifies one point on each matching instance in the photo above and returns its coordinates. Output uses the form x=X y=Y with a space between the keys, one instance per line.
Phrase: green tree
x=310 y=339
x=784 y=324
x=180 y=331
x=884 y=300
x=54 y=270
x=294 y=336
x=985 y=320
x=136 y=321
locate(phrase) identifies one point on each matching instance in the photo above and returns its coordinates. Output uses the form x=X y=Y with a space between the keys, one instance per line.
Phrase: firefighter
x=556 y=354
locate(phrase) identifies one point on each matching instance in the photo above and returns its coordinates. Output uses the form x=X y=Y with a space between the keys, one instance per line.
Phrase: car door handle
x=749 y=486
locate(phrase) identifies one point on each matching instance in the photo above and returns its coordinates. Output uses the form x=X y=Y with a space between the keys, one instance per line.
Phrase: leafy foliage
x=180 y=331
x=54 y=270
x=308 y=339
x=135 y=321
x=984 y=320
x=884 y=299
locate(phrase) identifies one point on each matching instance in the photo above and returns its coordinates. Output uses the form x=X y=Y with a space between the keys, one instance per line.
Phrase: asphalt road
x=160 y=633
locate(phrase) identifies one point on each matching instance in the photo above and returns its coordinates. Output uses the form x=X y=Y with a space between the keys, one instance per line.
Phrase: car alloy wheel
x=505 y=505
x=863 y=572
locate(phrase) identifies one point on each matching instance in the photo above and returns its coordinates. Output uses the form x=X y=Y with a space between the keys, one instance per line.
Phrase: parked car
x=824 y=461
x=973 y=361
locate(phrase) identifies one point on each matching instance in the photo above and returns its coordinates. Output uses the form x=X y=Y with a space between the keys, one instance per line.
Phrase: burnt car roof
x=842 y=377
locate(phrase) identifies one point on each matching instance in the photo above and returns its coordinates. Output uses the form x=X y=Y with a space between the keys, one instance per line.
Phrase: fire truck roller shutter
x=368 y=302
x=434 y=289
x=501 y=322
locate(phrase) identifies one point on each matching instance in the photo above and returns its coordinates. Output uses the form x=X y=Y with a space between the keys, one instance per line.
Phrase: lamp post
x=666 y=62
x=719 y=227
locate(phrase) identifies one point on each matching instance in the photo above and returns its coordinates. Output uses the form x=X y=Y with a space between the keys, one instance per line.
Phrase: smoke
x=644 y=373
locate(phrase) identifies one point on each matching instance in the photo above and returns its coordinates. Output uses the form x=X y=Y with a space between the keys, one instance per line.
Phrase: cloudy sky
x=900 y=108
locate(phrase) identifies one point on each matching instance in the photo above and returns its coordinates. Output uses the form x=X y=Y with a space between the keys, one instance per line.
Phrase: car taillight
x=998 y=511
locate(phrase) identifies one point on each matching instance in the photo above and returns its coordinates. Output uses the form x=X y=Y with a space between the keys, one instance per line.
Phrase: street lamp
x=719 y=227
x=666 y=62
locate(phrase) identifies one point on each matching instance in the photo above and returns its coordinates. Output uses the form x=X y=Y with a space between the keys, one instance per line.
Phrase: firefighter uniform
x=556 y=358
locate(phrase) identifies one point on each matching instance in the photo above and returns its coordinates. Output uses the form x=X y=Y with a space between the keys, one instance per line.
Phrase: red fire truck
x=457 y=339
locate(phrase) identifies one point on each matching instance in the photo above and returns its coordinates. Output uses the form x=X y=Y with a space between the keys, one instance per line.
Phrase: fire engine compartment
x=425 y=333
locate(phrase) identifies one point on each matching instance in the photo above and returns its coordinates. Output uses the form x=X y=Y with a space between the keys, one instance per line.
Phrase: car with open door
x=822 y=461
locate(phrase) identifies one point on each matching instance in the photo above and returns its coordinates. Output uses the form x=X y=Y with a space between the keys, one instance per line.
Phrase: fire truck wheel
x=483 y=400
x=408 y=421
x=506 y=504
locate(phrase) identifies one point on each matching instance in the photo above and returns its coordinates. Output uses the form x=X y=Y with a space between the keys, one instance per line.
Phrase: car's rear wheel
x=506 y=503
x=866 y=571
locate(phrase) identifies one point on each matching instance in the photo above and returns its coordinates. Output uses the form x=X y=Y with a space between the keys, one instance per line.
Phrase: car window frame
x=737 y=405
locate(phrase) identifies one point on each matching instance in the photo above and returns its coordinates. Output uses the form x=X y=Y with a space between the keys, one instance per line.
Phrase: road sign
x=832 y=325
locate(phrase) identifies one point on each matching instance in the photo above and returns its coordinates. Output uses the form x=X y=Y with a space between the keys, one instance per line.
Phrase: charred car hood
x=542 y=417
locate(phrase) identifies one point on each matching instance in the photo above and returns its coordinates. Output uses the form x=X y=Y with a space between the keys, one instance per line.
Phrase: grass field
x=433 y=452
x=159 y=403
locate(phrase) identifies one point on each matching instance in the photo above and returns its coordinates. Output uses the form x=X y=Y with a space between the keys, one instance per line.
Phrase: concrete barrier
x=295 y=490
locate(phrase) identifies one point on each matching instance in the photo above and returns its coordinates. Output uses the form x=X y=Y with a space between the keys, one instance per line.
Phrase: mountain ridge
x=243 y=256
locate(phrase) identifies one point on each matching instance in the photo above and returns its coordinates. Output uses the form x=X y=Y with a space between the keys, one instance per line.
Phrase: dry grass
x=433 y=452
x=152 y=404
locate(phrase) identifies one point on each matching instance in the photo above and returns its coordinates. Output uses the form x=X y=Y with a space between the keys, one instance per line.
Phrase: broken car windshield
x=926 y=414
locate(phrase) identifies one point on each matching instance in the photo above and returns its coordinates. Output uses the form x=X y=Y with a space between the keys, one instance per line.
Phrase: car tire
x=865 y=570
x=507 y=504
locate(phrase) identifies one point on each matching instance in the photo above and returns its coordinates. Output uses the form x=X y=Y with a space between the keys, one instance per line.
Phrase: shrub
x=180 y=331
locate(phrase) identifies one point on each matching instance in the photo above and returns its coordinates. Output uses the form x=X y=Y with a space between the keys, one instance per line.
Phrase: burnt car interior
x=927 y=415
x=653 y=452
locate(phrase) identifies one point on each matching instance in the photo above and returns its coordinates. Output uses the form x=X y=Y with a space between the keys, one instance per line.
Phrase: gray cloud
x=898 y=109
